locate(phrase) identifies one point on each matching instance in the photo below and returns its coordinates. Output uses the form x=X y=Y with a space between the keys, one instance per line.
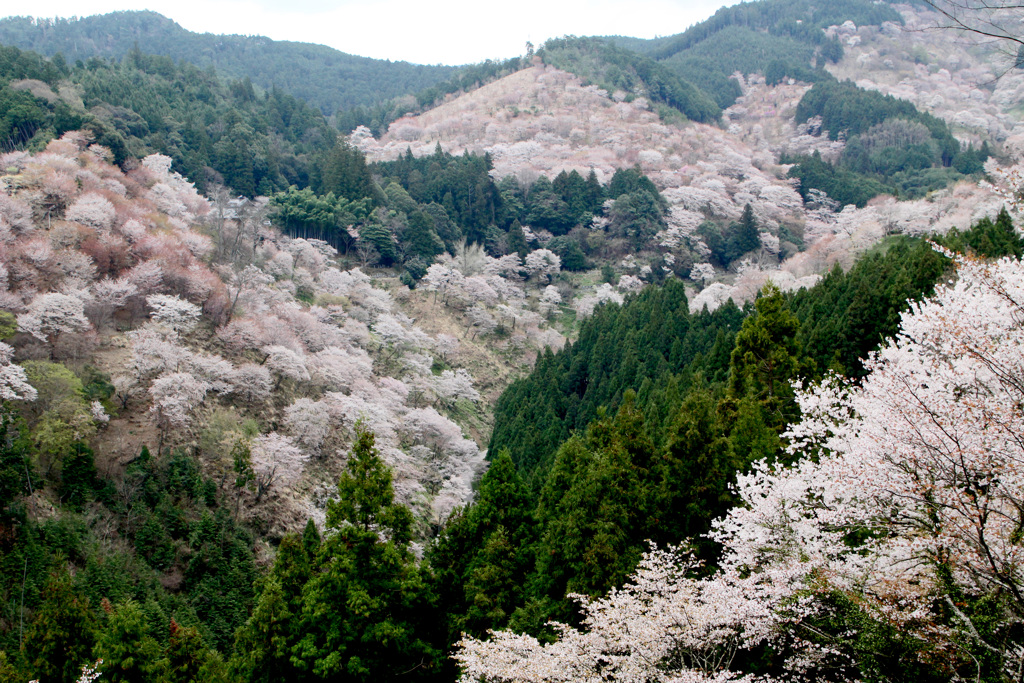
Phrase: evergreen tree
x=482 y=557
x=185 y=656
x=595 y=507
x=421 y=238
x=766 y=355
x=743 y=237
x=517 y=239
x=60 y=638
x=126 y=646
x=263 y=644
x=367 y=567
x=695 y=471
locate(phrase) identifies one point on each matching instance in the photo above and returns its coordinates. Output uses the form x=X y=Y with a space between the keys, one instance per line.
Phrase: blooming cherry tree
x=450 y=386
x=702 y=273
x=176 y=313
x=286 y=363
x=309 y=422
x=543 y=263
x=276 y=459
x=550 y=298
x=51 y=315
x=14 y=384
x=252 y=383
x=175 y=397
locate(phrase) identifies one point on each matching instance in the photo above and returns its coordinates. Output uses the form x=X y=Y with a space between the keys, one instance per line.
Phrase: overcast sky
x=422 y=31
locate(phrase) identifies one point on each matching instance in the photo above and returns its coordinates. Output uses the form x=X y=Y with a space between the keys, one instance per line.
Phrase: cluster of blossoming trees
x=86 y=249
x=894 y=539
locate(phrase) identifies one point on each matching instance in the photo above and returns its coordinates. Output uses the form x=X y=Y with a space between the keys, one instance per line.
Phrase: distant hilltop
x=322 y=76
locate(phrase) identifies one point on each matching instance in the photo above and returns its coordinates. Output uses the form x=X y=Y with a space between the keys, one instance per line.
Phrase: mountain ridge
x=321 y=75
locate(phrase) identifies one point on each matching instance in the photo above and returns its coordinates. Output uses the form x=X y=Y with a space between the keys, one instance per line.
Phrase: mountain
x=778 y=40
x=452 y=377
x=322 y=76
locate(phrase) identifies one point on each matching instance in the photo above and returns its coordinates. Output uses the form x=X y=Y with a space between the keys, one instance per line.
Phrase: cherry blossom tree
x=98 y=412
x=52 y=315
x=93 y=210
x=446 y=346
x=176 y=313
x=550 y=298
x=451 y=385
x=286 y=363
x=904 y=505
x=924 y=457
x=543 y=263
x=146 y=276
x=630 y=284
x=309 y=422
x=443 y=280
x=337 y=369
x=245 y=280
x=702 y=273
x=480 y=320
x=276 y=459
x=109 y=295
x=477 y=289
x=663 y=626
x=14 y=384
x=398 y=336
x=175 y=397
x=154 y=352
x=604 y=293
x=252 y=383
x=509 y=266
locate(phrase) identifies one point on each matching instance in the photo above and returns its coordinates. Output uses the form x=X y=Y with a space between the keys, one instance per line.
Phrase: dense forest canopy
x=329 y=80
x=216 y=132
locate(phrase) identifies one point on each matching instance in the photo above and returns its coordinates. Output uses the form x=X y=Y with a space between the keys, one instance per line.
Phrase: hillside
x=542 y=121
x=693 y=359
x=328 y=79
x=246 y=361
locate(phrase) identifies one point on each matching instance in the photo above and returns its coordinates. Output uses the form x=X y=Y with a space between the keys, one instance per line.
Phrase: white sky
x=421 y=31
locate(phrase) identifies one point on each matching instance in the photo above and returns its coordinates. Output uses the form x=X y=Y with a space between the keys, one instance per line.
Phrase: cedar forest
x=688 y=359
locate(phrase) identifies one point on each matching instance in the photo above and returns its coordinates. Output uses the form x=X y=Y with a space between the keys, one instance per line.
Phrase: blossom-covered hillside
x=543 y=121
x=274 y=351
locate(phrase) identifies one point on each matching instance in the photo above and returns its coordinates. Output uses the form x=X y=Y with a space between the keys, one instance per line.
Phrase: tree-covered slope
x=614 y=68
x=215 y=131
x=891 y=146
x=637 y=431
x=322 y=76
x=654 y=341
x=776 y=38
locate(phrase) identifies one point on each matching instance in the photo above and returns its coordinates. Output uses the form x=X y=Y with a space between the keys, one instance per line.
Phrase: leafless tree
x=997 y=22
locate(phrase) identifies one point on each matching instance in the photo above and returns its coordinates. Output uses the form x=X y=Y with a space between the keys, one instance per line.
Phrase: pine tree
x=765 y=358
x=766 y=355
x=263 y=644
x=484 y=554
x=421 y=238
x=695 y=472
x=744 y=236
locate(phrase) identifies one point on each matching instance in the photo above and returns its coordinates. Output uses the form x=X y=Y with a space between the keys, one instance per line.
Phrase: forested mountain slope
x=639 y=430
x=216 y=132
x=319 y=75
x=457 y=373
x=863 y=167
